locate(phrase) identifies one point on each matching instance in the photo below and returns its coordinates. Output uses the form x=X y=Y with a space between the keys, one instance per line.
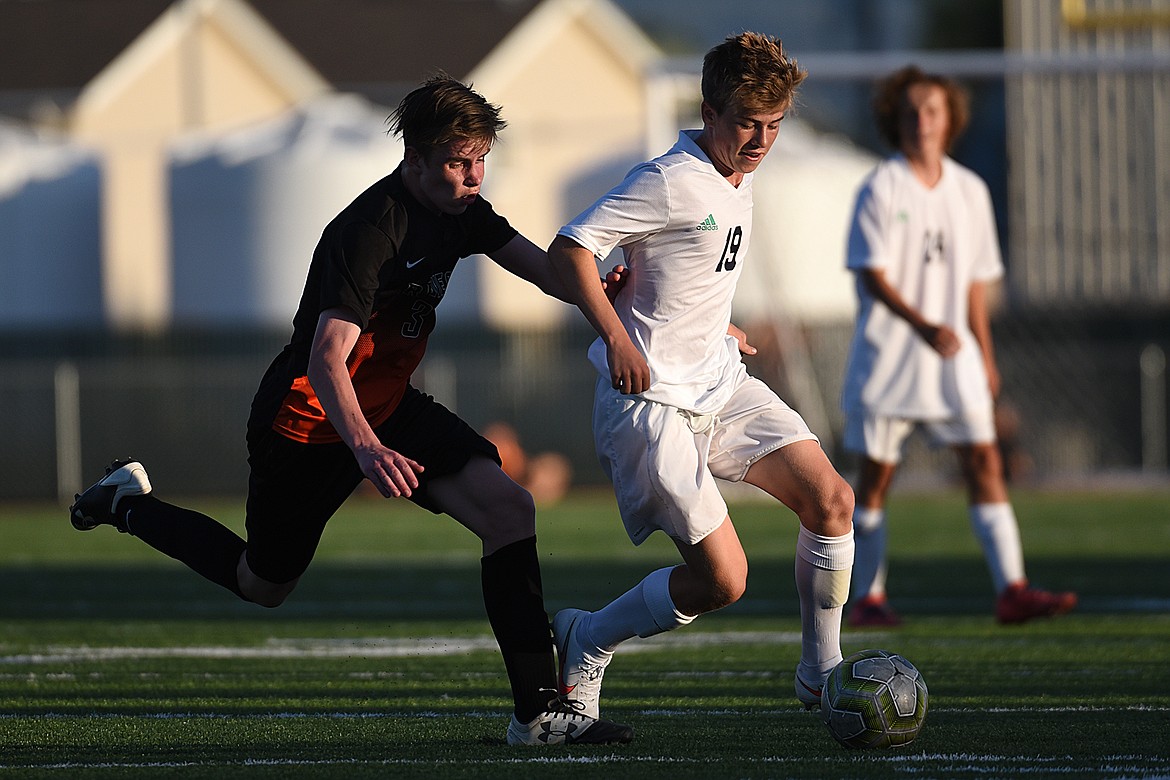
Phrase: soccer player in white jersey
x=674 y=406
x=924 y=250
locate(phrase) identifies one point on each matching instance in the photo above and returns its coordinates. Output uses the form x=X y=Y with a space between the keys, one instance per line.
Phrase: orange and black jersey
x=387 y=259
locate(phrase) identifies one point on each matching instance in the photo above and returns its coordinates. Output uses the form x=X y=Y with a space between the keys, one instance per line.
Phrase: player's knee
x=271 y=601
x=510 y=517
x=843 y=501
x=731 y=590
x=985 y=463
x=834 y=509
x=260 y=591
x=267 y=594
x=728 y=585
x=517 y=510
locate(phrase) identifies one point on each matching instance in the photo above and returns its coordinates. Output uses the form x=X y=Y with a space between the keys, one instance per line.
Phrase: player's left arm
x=528 y=261
x=979 y=320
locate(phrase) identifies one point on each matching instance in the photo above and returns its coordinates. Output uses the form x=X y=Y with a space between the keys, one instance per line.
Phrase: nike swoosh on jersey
x=410 y=264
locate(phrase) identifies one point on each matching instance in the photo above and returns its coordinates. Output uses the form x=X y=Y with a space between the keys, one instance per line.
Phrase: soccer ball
x=874 y=699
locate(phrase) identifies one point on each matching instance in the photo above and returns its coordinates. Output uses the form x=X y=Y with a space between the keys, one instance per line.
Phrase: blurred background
x=166 y=168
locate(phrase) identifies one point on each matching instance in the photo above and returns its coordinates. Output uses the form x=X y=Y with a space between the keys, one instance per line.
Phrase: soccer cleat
x=563 y=724
x=1018 y=603
x=808 y=694
x=873 y=612
x=98 y=505
x=580 y=672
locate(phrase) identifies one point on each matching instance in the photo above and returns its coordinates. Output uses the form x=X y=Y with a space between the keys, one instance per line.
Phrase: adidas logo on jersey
x=707 y=224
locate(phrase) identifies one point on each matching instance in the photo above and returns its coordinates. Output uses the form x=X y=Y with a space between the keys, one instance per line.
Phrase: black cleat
x=99 y=503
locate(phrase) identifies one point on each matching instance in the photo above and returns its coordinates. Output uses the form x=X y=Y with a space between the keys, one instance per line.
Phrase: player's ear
x=413 y=158
x=708 y=113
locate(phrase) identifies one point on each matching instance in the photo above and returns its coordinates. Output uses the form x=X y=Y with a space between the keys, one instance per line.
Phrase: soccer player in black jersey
x=336 y=406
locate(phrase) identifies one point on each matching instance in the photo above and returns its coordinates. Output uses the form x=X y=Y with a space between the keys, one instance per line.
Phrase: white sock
x=823 y=565
x=644 y=610
x=998 y=533
x=869 y=563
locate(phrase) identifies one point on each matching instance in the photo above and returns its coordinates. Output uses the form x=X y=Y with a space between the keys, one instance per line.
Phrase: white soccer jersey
x=932 y=245
x=684 y=230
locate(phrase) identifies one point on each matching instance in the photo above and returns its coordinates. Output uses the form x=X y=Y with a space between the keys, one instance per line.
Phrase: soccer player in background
x=674 y=407
x=924 y=251
x=336 y=407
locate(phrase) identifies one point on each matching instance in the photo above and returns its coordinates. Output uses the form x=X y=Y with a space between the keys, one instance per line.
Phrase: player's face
x=924 y=121
x=449 y=178
x=737 y=140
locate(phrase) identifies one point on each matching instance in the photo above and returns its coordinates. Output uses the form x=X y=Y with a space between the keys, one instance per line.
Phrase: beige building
x=569 y=74
x=204 y=65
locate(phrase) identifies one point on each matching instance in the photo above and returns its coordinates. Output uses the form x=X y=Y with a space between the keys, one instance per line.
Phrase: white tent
x=247 y=208
x=50 y=234
x=804 y=194
x=795 y=273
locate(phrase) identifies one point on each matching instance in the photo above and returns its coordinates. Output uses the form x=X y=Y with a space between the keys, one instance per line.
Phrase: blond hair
x=750 y=72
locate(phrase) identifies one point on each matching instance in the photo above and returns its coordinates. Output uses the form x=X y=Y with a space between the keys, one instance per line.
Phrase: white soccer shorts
x=663 y=461
x=882 y=438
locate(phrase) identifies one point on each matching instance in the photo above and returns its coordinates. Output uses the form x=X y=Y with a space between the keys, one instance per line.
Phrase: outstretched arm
x=528 y=261
x=574 y=265
x=941 y=339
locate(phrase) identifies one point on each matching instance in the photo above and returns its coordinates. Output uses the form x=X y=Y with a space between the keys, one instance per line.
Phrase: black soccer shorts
x=294 y=488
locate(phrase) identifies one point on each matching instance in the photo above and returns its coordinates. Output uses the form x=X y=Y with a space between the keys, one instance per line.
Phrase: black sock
x=189 y=537
x=514 y=597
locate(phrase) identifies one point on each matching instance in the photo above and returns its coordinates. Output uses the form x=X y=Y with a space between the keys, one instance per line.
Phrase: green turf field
x=116 y=662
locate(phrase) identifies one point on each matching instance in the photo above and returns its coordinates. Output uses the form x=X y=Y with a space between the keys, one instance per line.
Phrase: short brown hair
x=444 y=110
x=751 y=72
x=891 y=93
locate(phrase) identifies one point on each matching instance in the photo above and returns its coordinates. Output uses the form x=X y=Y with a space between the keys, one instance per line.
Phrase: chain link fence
x=1084 y=402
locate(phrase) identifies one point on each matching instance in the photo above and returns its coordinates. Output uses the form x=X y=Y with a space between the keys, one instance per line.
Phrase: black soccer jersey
x=387 y=259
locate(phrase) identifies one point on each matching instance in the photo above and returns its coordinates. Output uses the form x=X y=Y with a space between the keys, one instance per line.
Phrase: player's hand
x=744 y=347
x=392 y=473
x=941 y=339
x=614 y=281
x=627 y=368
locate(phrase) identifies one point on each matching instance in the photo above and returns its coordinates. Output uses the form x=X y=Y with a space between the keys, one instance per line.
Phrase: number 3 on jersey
x=730 y=250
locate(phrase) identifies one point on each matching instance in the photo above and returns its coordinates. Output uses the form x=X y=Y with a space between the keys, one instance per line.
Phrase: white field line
x=1143 y=767
x=368 y=648
x=722 y=712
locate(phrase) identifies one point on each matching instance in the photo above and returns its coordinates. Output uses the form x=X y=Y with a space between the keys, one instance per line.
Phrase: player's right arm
x=941 y=339
x=574 y=264
x=868 y=234
x=337 y=331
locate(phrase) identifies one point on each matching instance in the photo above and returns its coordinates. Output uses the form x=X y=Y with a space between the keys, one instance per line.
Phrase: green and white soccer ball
x=874 y=699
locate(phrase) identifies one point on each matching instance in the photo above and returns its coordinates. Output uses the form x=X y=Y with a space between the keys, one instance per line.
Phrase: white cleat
x=809 y=694
x=581 y=672
x=563 y=724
